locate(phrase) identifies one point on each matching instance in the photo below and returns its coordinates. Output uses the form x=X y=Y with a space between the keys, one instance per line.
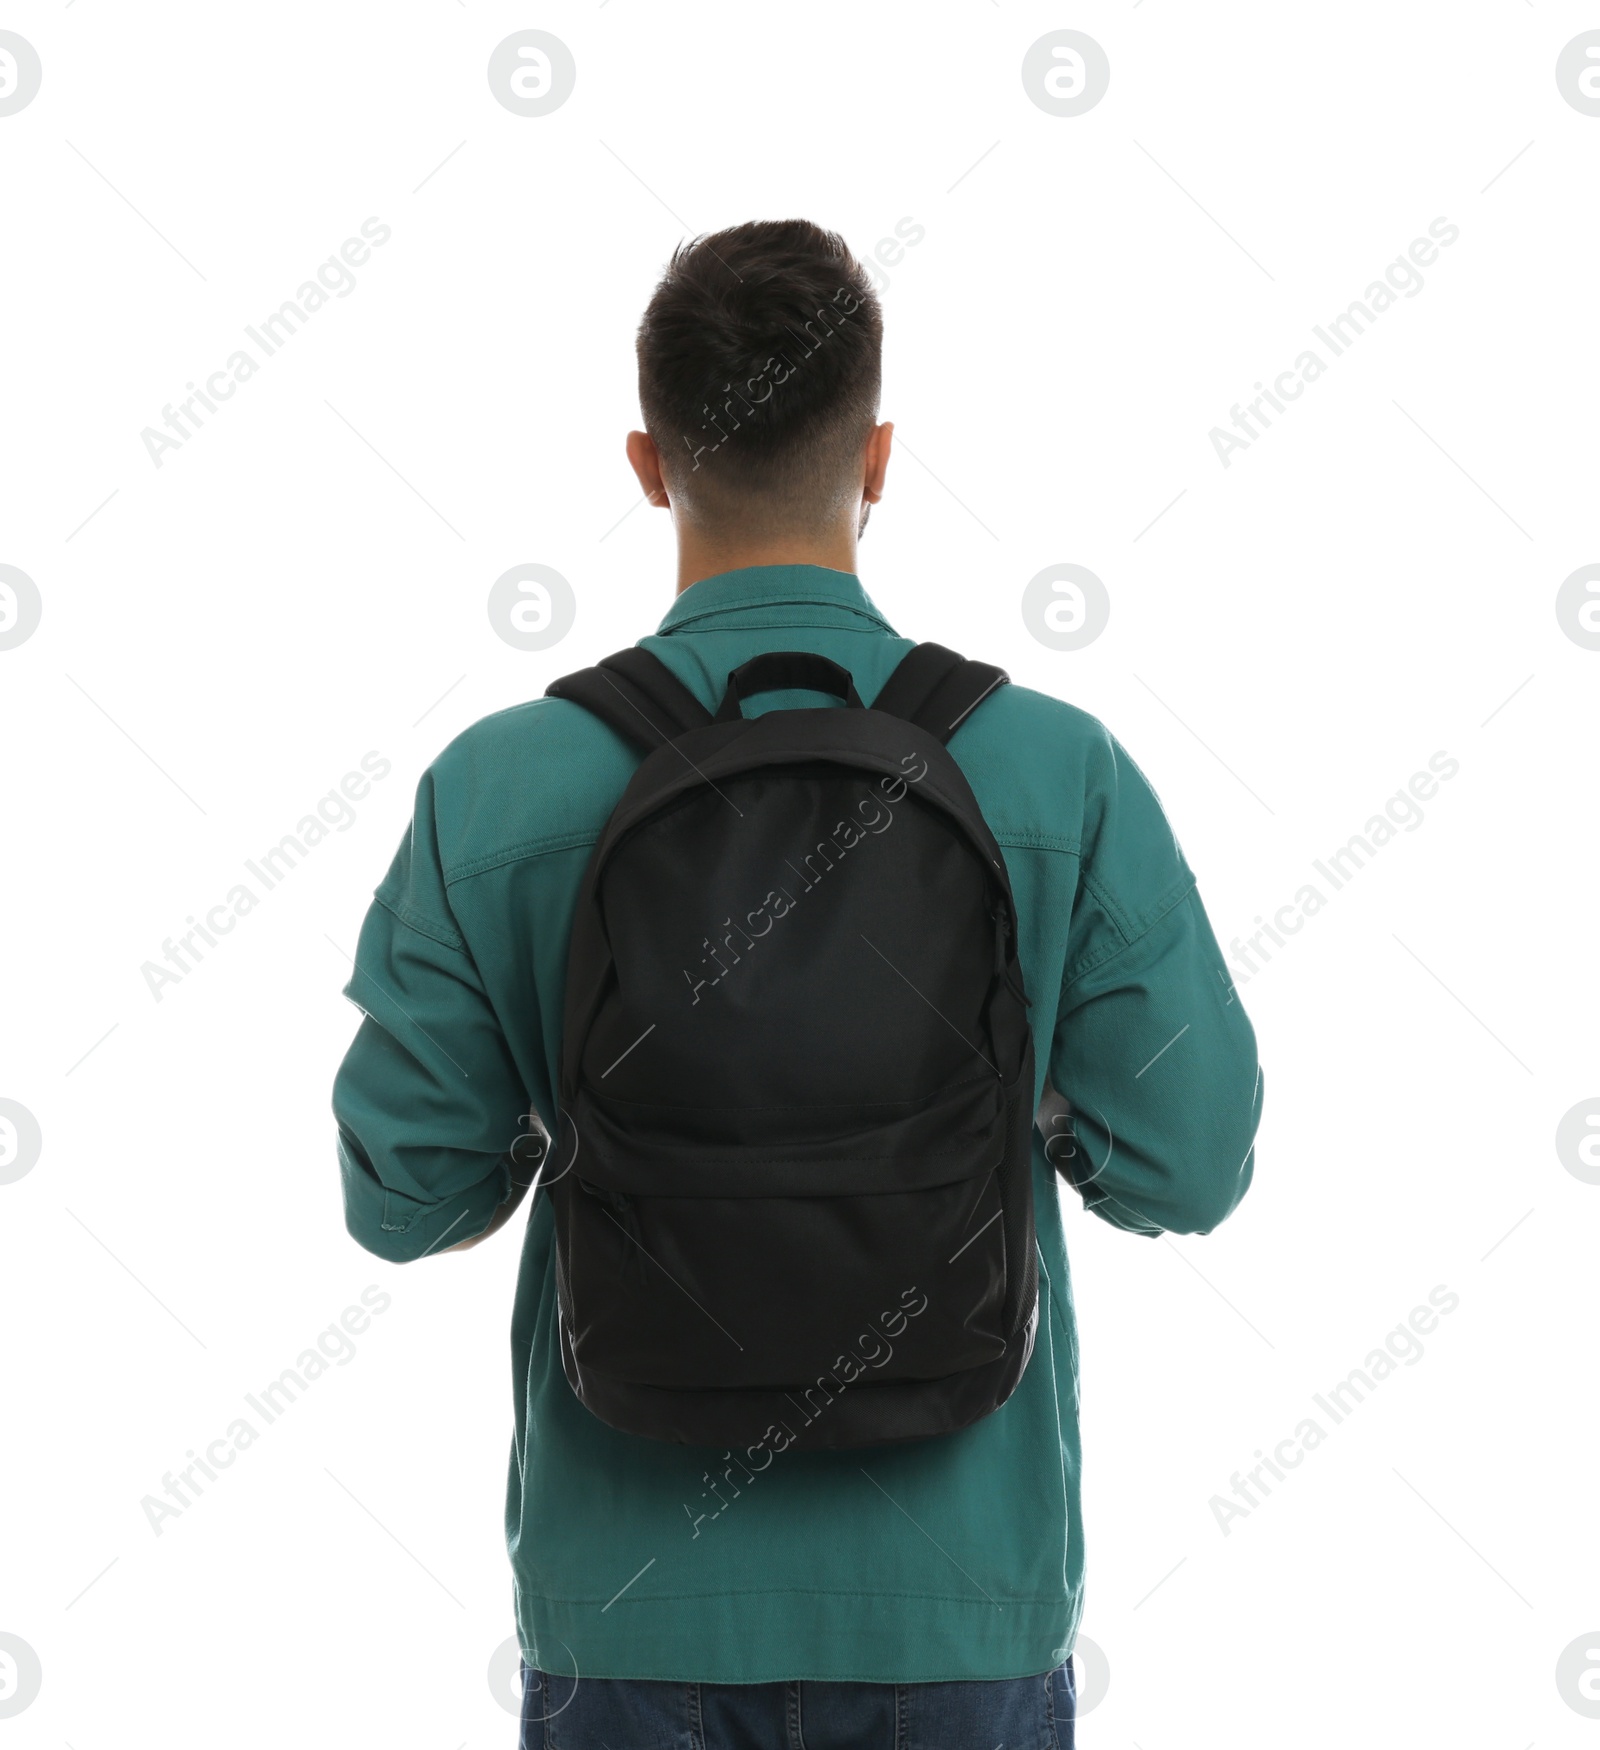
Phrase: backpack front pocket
x=696 y=1266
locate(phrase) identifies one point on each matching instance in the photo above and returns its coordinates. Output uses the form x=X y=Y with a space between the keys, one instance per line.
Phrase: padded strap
x=660 y=685
x=920 y=671
x=636 y=694
x=938 y=690
x=958 y=695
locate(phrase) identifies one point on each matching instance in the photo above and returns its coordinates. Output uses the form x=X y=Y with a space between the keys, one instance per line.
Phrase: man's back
x=959 y=1557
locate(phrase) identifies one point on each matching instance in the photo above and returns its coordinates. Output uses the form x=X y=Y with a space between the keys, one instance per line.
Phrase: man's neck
x=702 y=555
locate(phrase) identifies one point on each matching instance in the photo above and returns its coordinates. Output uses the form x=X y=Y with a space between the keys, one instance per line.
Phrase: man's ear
x=645 y=459
x=879 y=440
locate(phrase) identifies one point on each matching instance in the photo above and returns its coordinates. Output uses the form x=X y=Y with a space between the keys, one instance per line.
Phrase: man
x=915 y=1596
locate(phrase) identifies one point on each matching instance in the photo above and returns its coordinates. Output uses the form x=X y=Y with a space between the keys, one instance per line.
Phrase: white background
x=223 y=638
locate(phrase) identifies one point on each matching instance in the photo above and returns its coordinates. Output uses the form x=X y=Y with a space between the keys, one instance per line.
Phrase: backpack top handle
x=781 y=670
x=638 y=696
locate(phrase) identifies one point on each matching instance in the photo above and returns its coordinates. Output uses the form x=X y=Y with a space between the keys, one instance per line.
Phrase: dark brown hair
x=759 y=370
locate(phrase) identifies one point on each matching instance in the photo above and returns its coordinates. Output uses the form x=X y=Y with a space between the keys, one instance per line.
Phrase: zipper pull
x=1002 y=935
x=624 y=1205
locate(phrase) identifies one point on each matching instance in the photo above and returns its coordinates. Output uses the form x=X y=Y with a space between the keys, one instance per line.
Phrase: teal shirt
x=959 y=1557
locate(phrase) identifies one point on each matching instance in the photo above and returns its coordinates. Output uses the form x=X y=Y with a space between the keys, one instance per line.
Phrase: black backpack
x=792 y=1185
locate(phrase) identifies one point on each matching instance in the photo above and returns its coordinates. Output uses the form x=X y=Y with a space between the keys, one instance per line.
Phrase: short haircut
x=760 y=363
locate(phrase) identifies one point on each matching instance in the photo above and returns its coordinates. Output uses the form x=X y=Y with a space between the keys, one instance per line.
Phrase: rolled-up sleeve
x=427 y=1099
x=1152 y=1050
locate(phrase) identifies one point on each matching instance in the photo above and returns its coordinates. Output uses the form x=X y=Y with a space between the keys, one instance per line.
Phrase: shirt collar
x=767 y=586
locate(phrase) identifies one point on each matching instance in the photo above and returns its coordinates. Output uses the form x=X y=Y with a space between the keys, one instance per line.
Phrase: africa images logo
x=20 y=72
x=875 y=1350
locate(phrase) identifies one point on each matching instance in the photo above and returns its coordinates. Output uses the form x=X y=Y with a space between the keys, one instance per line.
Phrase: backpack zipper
x=623 y=1204
x=1002 y=936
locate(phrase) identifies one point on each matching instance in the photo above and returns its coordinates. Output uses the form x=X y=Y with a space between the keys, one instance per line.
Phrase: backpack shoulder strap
x=636 y=694
x=938 y=690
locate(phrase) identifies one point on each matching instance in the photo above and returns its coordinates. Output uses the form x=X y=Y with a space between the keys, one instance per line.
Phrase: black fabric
x=678 y=707
x=636 y=694
x=794 y=1182
x=937 y=689
x=920 y=670
x=957 y=696
x=782 y=670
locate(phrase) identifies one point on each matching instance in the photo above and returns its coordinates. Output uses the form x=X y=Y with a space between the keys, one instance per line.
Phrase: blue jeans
x=609 y=1713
